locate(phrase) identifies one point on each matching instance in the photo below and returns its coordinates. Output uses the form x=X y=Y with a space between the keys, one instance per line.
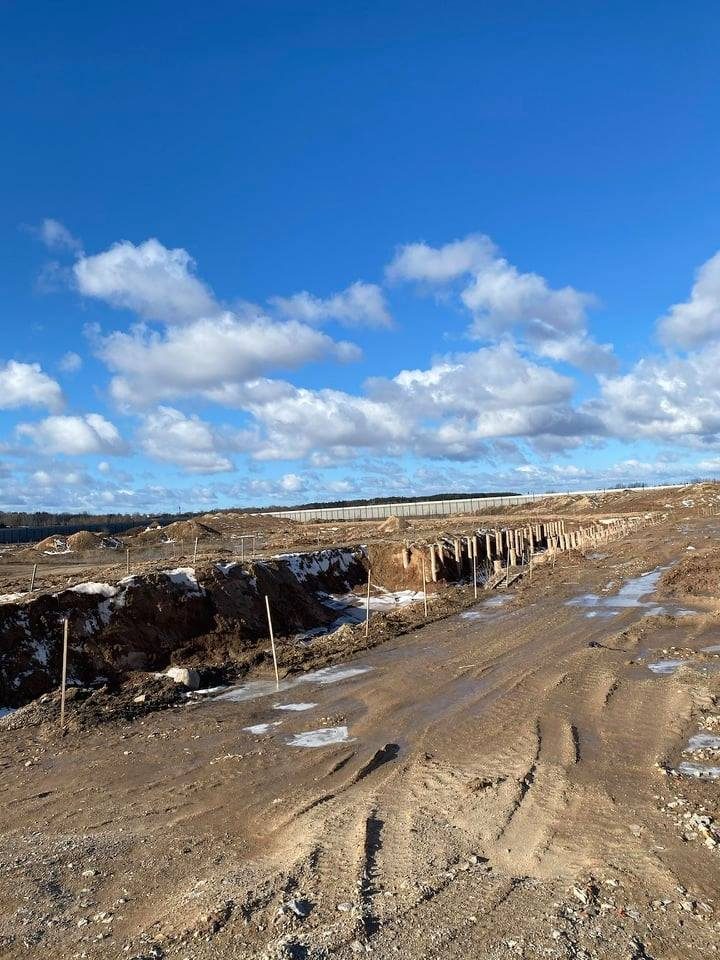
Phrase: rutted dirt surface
x=500 y=783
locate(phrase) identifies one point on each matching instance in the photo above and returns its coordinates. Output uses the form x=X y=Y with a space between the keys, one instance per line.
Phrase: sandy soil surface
x=500 y=783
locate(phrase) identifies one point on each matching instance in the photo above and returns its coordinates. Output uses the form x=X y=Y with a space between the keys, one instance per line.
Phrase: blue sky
x=272 y=252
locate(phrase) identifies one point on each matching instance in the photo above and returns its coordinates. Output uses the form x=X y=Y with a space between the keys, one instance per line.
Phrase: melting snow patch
x=11 y=597
x=334 y=674
x=320 y=738
x=6 y=711
x=227 y=567
x=294 y=706
x=184 y=577
x=713 y=648
x=101 y=589
x=702 y=741
x=699 y=770
x=260 y=728
x=665 y=667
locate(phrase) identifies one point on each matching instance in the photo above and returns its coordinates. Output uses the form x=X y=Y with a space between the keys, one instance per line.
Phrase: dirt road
x=493 y=785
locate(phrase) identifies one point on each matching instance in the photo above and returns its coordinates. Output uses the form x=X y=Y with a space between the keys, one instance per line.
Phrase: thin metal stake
x=367 y=611
x=272 y=642
x=424 y=586
x=66 y=628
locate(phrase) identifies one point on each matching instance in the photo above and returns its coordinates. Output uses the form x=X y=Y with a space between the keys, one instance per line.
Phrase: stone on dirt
x=185 y=675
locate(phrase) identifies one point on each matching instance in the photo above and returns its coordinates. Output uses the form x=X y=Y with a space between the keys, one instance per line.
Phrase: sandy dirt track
x=501 y=790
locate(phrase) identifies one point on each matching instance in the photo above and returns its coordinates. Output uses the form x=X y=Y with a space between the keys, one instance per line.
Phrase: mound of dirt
x=179 y=530
x=55 y=544
x=393 y=525
x=83 y=540
x=697 y=575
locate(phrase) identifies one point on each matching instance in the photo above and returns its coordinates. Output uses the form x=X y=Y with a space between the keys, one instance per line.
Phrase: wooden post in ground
x=474 y=559
x=32 y=578
x=367 y=611
x=63 y=682
x=424 y=585
x=253 y=546
x=195 y=550
x=242 y=547
x=272 y=642
x=127 y=560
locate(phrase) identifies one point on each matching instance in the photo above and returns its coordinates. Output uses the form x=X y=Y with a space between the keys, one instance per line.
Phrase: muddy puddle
x=634 y=594
x=487 y=609
x=703 y=751
x=255 y=689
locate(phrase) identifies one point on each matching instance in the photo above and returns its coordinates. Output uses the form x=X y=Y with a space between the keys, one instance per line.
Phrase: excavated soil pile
x=213 y=614
x=180 y=530
x=54 y=543
x=393 y=525
x=697 y=575
x=83 y=540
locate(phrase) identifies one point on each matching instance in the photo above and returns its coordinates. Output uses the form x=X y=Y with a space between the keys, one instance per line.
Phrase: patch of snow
x=11 y=597
x=6 y=711
x=702 y=741
x=665 y=668
x=699 y=770
x=320 y=738
x=227 y=567
x=184 y=577
x=101 y=589
x=258 y=729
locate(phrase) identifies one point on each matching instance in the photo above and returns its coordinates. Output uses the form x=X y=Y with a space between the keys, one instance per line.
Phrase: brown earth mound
x=83 y=540
x=393 y=525
x=179 y=530
x=697 y=575
x=55 y=543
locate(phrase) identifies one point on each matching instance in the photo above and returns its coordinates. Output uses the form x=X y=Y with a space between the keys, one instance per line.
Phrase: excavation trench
x=213 y=617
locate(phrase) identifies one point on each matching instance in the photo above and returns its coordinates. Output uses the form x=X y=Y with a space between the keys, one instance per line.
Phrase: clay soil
x=505 y=788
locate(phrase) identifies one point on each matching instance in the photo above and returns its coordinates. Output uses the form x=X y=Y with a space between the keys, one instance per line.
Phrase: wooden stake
x=195 y=550
x=253 y=546
x=242 y=548
x=127 y=560
x=475 y=574
x=424 y=586
x=272 y=642
x=32 y=578
x=66 y=628
x=367 y=611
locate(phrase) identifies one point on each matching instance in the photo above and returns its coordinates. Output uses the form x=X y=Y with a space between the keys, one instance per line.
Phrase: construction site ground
x=501 y=782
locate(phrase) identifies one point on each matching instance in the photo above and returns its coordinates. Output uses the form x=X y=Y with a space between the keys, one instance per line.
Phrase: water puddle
x=295 y=707
x=320 y=738
x=631 y=595
x=487 y=608
x=254 y=689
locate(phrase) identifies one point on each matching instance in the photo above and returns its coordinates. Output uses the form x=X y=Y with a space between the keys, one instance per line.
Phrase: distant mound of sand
x=179 y=530
x=53 y=544
x=393 y=525
x=83 y=540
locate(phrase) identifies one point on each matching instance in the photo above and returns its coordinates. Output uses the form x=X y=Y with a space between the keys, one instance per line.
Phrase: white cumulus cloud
x=502 y=300
x=697 y=320
x=170 y=436
x=149 y=279
x=25 y=385
x=91 y=433
x=361 y=304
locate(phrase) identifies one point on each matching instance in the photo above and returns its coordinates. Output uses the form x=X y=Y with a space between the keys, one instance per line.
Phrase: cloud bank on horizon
x=180 y=396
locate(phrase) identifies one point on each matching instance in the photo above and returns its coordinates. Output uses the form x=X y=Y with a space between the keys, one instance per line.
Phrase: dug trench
x=502 y=782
